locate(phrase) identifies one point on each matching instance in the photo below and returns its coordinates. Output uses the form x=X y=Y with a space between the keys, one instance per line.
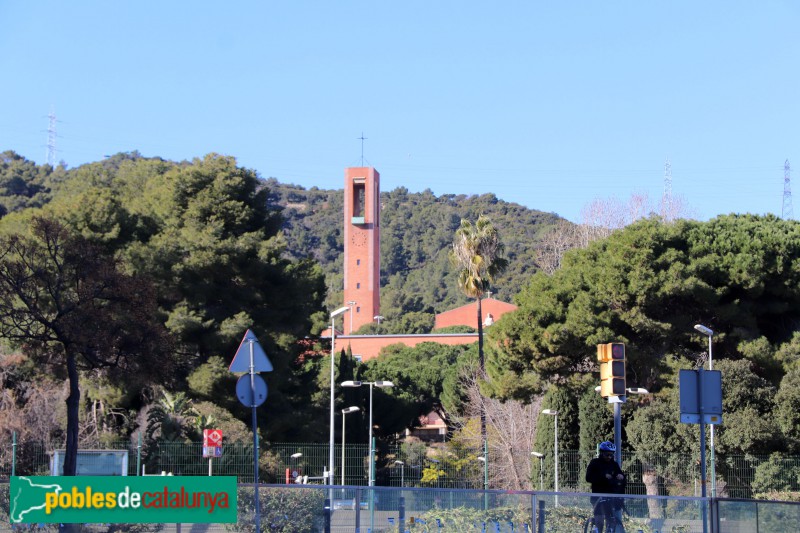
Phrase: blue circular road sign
x=245 y=393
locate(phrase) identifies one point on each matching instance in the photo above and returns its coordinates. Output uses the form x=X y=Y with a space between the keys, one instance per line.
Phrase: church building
x=362 y=267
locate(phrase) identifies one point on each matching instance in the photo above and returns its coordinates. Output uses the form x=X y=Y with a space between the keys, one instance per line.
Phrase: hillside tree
x=69 y=306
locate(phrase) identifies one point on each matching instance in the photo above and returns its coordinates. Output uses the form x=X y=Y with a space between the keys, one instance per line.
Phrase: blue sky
x=547 y=104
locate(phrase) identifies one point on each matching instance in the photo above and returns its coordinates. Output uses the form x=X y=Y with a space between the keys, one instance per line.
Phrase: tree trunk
x=71 y=451
x=650 y=479
x=73 y=403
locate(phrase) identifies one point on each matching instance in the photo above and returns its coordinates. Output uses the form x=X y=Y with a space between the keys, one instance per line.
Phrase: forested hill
x=417 y=229
x=416 y=234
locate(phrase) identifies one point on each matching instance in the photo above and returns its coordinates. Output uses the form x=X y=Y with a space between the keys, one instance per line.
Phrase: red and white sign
x=212 y=438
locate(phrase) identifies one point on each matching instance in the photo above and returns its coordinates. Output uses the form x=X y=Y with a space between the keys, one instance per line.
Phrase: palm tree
x=477 y=253
x=171 y=419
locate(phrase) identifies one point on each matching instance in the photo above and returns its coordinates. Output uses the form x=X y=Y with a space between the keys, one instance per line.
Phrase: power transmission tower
x=786 y=213
x=666 y=196
x=51 y=139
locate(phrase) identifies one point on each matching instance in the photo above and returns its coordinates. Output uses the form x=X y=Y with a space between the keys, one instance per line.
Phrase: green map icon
x=122 y=499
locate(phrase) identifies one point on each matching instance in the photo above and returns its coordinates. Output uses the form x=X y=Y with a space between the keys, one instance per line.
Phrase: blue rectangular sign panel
x=690 y=399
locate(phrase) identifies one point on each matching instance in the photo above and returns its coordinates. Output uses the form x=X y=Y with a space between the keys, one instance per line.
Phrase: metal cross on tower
x=362 y=139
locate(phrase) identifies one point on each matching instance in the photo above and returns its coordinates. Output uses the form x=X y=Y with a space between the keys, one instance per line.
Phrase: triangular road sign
x=241 y=361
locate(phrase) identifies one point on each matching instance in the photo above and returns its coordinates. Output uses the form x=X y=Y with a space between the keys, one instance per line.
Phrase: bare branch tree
x=564 y=236
x=511 y=431
x=599 y=219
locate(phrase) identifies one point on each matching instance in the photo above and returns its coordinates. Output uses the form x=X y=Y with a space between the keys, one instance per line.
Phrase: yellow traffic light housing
x=612 y=369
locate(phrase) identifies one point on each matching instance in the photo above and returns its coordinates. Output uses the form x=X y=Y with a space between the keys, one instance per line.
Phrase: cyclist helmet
x=607 y=446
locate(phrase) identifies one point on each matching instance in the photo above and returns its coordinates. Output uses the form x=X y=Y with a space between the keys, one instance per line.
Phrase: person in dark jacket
x=606 y=477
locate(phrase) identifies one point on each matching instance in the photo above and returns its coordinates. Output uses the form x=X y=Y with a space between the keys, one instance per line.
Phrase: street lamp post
x=379 y=384
x=346 y=411
x=296 y=478
x=709 y=333
x=377 y=318
x=485 y=460
x=336 y=313
x=540 y=456
x=402 y=473
x=554 y=414
x=351 y=304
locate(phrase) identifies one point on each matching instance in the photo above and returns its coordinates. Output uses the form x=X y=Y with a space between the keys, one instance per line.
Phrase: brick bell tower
x=362 y=239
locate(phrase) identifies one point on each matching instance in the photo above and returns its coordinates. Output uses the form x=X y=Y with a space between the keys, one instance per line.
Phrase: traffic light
x=612 y=369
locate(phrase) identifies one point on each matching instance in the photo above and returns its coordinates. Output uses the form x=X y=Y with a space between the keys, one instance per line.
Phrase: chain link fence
x=738 y=476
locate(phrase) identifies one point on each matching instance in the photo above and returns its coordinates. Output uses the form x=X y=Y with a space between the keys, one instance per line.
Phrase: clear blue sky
x=548 y=104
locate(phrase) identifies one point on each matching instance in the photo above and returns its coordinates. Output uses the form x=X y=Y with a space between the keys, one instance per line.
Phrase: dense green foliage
x=647 y=286
x=23 y=183
x=203 y=234
x=419 y=375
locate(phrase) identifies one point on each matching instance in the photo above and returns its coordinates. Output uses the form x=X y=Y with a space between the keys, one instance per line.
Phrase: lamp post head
x=537 y=454
x=401 y=463
x=551 y=412
x=351 y=409
x=380 y=384
x=704 y=330
x=339 y=311
x=638 y=390
x=481 y=458
x=296 y=455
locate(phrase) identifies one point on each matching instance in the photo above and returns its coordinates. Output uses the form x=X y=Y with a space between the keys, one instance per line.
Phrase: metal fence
x=737 y=476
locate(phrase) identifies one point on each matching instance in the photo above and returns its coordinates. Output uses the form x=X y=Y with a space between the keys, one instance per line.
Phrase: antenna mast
x=786 y=213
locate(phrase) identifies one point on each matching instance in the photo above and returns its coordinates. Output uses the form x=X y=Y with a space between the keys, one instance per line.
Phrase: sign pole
x=255 y=437
x=701 y=396
x=702 y=445
x=618 y=431
x=251 y=390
